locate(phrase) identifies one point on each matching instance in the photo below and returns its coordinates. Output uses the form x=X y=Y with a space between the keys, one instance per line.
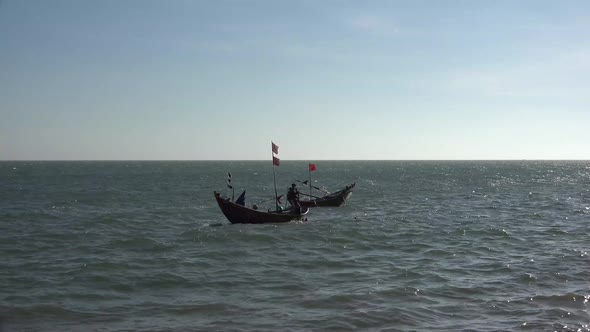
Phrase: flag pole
x=274 y=177
x=275 y=181
x=309 y=169
x=228 y=186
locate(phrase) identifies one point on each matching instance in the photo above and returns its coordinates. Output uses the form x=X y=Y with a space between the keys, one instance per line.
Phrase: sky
x=324 y=80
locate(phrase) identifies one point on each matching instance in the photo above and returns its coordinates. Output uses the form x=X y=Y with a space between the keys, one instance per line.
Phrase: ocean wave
x=200 y=309
x=568 y=299
x=47 y=311
x=139 y=244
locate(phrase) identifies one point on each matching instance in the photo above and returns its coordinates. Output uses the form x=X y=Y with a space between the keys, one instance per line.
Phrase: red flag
x=311 y=167
x=275 y=148
x=276 y=161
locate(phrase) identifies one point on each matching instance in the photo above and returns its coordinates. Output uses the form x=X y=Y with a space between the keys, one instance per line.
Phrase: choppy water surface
x=447 y=246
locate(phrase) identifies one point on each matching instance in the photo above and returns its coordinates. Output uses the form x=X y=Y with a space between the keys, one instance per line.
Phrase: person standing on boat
x=293 y=196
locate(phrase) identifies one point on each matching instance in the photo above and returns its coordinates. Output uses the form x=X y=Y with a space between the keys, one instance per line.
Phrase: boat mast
x=309 y=168
x=276 y=195
x=274 y=177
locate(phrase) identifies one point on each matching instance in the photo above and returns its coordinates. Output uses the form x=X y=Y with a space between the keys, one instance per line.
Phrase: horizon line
x=259 y=160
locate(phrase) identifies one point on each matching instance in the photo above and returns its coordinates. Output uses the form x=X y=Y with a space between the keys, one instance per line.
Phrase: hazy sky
x=122 y=79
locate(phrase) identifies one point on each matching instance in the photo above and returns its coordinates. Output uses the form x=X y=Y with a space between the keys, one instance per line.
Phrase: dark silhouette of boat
x=238 y=214
x=332 y=200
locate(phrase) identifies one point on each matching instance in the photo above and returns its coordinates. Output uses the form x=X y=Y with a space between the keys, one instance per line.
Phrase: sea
x=419 y=246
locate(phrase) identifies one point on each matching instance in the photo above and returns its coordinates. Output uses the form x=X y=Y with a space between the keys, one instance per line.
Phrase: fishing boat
x=239 y=214
x=331 y=200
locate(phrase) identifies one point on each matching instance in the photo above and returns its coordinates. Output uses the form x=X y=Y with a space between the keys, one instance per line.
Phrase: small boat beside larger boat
x=331 y=200
x=237 y=212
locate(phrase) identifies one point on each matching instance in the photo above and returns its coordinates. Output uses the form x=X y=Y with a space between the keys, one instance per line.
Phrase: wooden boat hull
x=237 y=214
x=333 y=200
